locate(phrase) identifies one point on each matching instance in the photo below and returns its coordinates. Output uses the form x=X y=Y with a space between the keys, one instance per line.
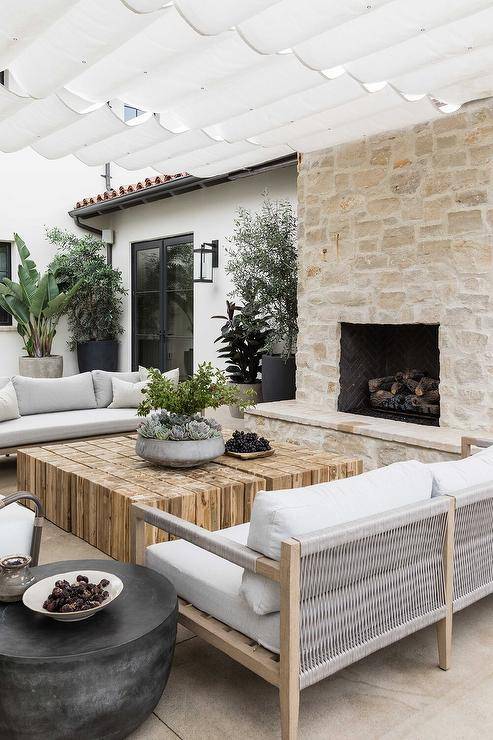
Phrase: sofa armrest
x=236 y=553
x=466 y=443
x=13 y=498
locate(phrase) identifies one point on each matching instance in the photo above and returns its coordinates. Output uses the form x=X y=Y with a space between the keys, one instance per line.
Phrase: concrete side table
x=90 y=680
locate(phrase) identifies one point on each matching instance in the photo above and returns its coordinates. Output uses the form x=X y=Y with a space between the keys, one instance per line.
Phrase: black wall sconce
x=205 y=260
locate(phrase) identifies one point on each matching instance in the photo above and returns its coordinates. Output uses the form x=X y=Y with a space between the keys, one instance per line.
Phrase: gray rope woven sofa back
x=367 y=584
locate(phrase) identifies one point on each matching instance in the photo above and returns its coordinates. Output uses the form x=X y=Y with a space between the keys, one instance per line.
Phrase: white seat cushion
x=450 y=477
x=212 y=584
x=66 y=425
x=16 y=530
x=279 y=515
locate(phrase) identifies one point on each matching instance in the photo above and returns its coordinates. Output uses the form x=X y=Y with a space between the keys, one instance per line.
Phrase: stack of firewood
x=412 y=391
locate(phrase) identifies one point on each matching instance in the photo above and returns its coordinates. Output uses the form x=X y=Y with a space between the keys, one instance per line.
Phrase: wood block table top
x=87 y=487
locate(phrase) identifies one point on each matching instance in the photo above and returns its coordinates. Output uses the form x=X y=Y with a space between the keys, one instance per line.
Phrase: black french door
x=162 y=304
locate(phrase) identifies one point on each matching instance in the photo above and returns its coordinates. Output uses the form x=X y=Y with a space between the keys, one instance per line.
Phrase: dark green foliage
x=94 y=312
x=243 y=338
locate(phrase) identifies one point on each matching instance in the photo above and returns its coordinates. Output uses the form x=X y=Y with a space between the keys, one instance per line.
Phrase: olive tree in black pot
x=242 y=339
x=94 y=312
x=263 y=268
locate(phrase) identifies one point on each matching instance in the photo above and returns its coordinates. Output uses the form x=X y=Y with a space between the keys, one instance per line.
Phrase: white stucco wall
x=208 y=214
x=36 y=193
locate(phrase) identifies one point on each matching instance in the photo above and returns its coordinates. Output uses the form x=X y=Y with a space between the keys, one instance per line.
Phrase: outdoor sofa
x=72 y=407
x=325 y=575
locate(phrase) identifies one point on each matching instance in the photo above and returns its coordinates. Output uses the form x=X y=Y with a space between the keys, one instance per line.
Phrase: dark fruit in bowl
x=247 y=442
x=76 y=597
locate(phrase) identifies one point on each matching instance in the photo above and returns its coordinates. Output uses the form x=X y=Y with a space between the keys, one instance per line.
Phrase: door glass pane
x=179 y=313
x=147 y=277
x=180 y=266
x=147 y=313
x=179 y=353
x=148 y=351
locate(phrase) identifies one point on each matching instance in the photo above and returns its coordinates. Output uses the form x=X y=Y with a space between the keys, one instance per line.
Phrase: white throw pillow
x=279 y=515
x=452 y=476
x=126 y=395
x=173 y=375
x=9 y=408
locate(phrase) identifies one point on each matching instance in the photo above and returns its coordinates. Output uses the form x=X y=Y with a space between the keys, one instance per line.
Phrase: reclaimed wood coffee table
x=87 y=487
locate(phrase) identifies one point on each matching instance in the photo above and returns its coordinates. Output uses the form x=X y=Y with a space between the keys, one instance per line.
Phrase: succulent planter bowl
x=172 y=454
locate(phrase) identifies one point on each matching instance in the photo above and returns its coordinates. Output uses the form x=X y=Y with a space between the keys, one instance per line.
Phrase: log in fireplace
x=391 y=371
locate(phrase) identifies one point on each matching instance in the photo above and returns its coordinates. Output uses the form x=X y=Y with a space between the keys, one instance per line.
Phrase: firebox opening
x=391 y=371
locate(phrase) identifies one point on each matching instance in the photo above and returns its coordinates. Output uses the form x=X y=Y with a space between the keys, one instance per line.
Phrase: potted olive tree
x=262 y=264
x=94 y=312
x=36 y=303
x=242 y=340
x=175 y=432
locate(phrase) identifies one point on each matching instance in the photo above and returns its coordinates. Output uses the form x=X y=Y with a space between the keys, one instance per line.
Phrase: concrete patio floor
x=396 y=693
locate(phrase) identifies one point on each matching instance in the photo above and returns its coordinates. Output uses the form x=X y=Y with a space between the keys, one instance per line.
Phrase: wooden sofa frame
x=396 y=567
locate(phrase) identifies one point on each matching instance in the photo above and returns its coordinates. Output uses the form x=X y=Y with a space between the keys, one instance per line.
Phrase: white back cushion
x=45 y=395
x=16 y=530
x=449 y=477
x=126 y=395
x=9 y=408
x=103 y=387
x=278 y=515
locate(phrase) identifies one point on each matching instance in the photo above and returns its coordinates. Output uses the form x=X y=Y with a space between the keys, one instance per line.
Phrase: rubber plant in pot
x=175 y=431
x=94 y=313
x=242 y=340
x=36 y=303
x=263 y=267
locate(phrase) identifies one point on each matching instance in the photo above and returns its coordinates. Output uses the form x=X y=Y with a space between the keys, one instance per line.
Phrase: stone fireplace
x=388 y=370
x=396 y=230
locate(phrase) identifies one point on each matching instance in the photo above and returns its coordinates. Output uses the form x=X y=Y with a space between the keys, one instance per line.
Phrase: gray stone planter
x=235 y=411
x=179 y=454
x=41 y=367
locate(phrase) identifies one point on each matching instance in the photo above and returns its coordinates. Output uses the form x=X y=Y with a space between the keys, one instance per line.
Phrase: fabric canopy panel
x=226 y=85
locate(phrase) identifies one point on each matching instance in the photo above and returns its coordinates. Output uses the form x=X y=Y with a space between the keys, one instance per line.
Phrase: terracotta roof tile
x=149 y=182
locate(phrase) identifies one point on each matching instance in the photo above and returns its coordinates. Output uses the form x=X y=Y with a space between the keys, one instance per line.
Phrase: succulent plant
x=178 y=427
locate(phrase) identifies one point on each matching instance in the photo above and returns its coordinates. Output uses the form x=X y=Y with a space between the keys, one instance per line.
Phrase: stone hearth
x=397 y=229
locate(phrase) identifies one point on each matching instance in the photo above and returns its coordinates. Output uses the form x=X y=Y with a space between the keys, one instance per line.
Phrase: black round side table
x=90 y=680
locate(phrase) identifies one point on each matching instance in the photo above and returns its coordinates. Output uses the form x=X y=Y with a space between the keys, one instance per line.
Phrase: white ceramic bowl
x=35 y=596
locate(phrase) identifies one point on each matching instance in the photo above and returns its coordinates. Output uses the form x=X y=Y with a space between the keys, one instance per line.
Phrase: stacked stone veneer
x=397 y=229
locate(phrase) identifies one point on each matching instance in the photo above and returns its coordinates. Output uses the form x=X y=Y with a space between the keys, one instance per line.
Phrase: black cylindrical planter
x=278 y=378
x=97 y=355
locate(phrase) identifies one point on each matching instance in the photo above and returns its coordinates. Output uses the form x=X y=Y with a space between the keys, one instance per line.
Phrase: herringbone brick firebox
x=370 y=351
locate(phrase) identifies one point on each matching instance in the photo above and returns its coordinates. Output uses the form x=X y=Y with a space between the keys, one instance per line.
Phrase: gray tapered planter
x=243 y=388
x=186 y=454
x=41 y=367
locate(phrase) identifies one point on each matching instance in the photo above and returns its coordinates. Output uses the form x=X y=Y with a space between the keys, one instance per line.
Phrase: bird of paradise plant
x=35 y=302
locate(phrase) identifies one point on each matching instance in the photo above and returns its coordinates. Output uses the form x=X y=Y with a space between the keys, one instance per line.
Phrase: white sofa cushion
x=278 y=515
x=212 y=584
x=9 y=408
x=16 y=530
x=103 y=387
x=46 y=395
x=452 y=476
x=126 y=395
x=66 y=425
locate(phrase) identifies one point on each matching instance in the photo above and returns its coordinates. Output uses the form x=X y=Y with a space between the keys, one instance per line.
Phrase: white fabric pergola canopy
x=226 y=85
